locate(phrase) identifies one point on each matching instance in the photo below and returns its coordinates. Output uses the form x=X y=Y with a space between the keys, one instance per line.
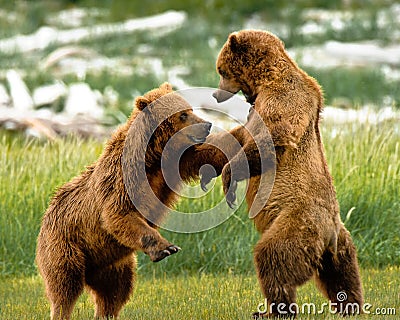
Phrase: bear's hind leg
x=111 y=287
x=63 y=277
x=339 y=278
x=63 y=298
x=285 y=258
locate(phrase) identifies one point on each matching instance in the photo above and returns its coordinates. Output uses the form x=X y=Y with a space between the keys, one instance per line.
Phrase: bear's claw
x=230 y=200
x=231 y=195
x=203 y=185
x=165 y=253
x=173 y=249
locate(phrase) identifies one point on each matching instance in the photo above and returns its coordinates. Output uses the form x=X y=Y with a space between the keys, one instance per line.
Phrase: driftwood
x=54 y=128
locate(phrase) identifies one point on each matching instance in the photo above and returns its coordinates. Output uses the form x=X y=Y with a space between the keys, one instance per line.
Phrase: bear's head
x=248 y=60
x=169 y=117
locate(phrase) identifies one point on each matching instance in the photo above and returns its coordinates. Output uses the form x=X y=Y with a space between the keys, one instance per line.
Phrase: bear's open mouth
x=197 y=139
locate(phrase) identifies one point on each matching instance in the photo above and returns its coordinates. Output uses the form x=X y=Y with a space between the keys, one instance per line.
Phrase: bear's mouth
x=251 y=99
x=197 y=139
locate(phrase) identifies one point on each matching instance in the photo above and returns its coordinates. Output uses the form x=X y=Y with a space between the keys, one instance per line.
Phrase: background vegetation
x=195 y=45
x=215 y=268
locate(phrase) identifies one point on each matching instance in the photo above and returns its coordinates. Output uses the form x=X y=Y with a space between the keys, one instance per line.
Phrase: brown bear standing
x=302 y=234
x=92 y=229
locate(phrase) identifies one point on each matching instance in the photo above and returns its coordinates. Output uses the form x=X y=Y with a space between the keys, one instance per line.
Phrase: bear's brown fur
x=92 y=229
x=302 y=234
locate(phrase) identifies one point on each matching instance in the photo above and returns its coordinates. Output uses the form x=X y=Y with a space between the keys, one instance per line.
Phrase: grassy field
x=201 y=297
x=364 y=161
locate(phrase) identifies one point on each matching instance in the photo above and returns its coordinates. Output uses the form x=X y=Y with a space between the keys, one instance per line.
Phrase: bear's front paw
x=229 y=186
x=159 y=255
x=207 y=173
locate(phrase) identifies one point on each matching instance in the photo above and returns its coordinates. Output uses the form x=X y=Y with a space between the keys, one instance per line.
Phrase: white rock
x=81 y=100
x=159 y=24
x=334 y=54
x=49 y=94
x=366 y=52
x=5 y=99
x=363 y=115
x=20 y=95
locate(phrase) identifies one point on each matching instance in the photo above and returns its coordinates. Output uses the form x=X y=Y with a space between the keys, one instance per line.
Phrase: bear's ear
x=166 y=86
x=234 y=43
x=141 y=103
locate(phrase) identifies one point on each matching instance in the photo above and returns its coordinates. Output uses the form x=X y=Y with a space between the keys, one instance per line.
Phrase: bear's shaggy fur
x=92 y=229
x=302 y=234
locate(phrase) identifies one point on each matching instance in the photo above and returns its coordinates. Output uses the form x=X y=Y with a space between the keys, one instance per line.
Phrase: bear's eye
x=183 y=116
x=223 y=73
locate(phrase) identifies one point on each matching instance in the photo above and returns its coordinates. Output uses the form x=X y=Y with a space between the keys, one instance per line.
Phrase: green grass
x=203 y=297
x=364 y=160
x=365 y=163
x=30 y=172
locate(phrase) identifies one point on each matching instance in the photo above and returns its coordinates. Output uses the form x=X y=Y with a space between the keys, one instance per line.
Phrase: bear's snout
x=207 y=126
x=222 y=95
x=198 y=132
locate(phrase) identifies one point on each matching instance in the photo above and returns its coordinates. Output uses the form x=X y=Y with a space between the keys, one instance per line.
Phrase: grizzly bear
x=302 y=235
x=92 y=229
